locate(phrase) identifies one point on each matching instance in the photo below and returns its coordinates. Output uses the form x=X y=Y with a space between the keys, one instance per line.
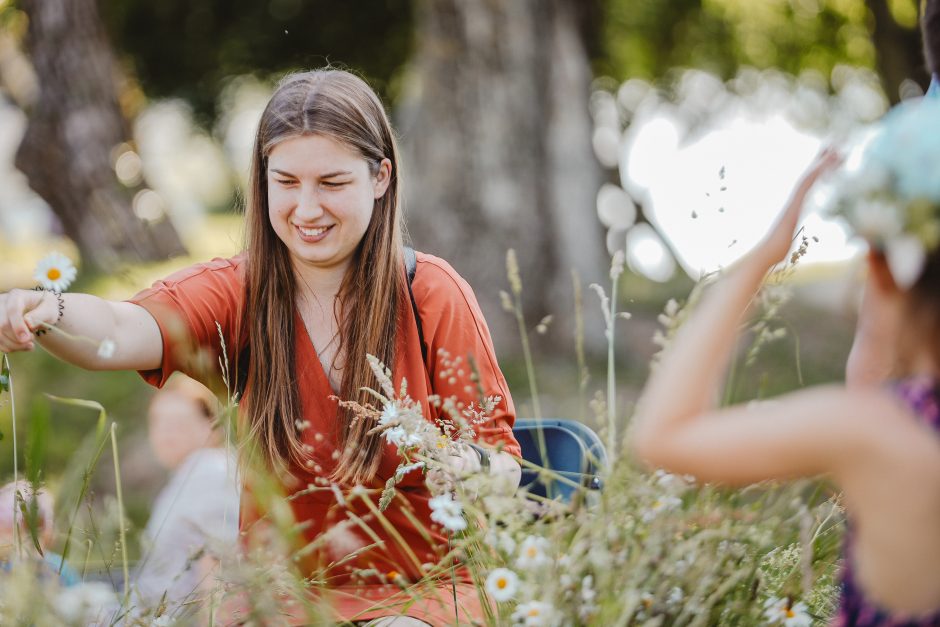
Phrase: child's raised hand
x=777 y=243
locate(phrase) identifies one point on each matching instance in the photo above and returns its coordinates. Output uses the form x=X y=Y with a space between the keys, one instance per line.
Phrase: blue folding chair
x=572 y=451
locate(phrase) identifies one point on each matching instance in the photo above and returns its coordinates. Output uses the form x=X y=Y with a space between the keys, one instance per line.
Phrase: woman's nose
x=308 y=204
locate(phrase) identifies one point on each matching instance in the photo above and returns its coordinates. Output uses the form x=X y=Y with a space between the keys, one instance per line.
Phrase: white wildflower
x=534 y=614
x=876 y=220
x=675 y=596
x=588 y=607
x=401 y=438
x=389 y=413
x=404 y=470
x=448 y=512
x=660 y=505
x=533 y=553
x=782 y=612
x=502 y=541
x=106 y=348
x=85 y=603
x=670 y=481
x=588 y=594
x=55 y=272
x=502 y=584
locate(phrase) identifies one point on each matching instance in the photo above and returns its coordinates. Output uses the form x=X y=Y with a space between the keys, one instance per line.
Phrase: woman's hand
x=459 y=464
x=777 y=244
x=82 y=322
x=22 y=313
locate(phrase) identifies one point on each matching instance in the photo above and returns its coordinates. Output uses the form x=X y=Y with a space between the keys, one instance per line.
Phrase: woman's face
x=320 y=199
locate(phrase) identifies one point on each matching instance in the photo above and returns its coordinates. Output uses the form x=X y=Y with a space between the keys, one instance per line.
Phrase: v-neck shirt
x=196 y=308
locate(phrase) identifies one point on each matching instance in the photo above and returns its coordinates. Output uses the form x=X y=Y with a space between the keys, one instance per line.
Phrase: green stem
x=120 y=500
x=579 y=346
x=527 y=353
x=17 y=540
x=611 y=376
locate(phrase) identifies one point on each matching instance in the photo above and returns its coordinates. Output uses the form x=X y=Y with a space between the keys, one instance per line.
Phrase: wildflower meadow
x=648 y=548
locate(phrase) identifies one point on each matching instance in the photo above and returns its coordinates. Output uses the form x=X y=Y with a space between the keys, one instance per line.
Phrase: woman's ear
x=879 y=273
x=382 y=178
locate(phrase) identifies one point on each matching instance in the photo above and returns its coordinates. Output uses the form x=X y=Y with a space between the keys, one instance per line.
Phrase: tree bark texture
x=898 y=50
x=496 y=136
x=74 y=126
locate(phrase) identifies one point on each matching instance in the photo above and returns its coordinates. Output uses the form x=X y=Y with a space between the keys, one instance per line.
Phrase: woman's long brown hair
x=340 y=105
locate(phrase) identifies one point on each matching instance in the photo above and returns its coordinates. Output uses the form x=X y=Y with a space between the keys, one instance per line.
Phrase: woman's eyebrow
x=328 y=175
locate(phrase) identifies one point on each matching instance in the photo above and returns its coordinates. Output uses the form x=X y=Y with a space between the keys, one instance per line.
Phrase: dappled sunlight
x=713 y=165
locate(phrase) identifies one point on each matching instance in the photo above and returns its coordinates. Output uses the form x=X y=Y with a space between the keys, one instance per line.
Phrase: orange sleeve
x=457 y=336
x=186 y=306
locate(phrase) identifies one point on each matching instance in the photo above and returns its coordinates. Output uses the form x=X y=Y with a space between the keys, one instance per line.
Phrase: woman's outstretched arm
x=87 y=321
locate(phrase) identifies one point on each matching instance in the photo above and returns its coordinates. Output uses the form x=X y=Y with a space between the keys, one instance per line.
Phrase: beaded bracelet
x=61 y=301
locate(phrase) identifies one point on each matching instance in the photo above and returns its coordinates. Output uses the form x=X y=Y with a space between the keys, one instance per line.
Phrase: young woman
x=879 y=444
x=321 y=284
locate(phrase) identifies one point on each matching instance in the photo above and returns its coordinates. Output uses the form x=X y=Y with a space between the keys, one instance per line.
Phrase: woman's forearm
x=98 y=334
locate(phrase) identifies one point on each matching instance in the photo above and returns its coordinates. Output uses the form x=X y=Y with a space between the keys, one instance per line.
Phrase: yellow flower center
x=53 y=274
x=501 y=583
x=532 y=551
x=790 y=613
x=534 y=612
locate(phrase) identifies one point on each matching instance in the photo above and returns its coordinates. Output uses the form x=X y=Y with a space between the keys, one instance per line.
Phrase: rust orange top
x=187 y=306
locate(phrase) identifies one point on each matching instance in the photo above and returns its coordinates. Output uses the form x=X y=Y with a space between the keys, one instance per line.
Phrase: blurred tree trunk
x=75 y=124
x=496 y=136
x=898 y=49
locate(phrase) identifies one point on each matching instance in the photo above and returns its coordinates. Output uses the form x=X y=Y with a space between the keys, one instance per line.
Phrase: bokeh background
x=566 y=129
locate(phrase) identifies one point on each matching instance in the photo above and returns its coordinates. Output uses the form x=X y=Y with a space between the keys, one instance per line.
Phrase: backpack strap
x=241 y=371
x=411 y=267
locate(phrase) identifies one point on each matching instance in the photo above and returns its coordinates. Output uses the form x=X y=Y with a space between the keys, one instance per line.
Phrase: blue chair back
x=571 y=450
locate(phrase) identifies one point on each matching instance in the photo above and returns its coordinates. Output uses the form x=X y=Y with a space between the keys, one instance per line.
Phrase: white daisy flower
x=782 y=612
x=502 y=584
x=55 y=272
x=106 y=348
x=533 y=553
x=534 y=614
x=448 y=512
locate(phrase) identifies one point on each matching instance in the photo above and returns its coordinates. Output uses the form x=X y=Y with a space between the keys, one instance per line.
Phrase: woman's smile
x=313 y=234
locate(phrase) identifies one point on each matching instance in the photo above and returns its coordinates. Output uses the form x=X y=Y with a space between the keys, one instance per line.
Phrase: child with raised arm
x=879 y=444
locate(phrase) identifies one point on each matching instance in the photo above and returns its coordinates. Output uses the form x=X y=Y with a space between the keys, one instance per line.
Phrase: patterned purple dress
x=921 y=394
